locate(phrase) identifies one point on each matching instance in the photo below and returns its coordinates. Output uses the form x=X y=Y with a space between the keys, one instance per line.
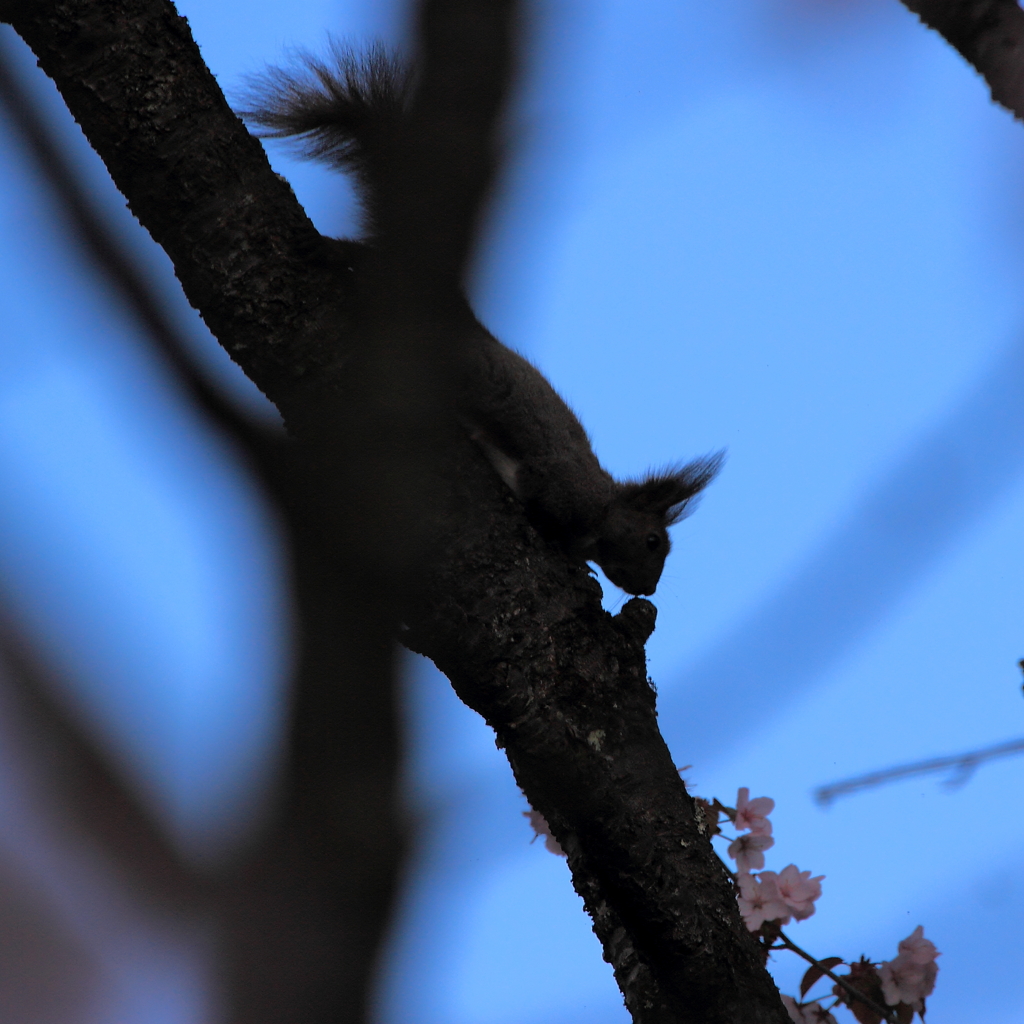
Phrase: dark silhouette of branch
x=71 y=824
x=51 y=974
x=962 y=764
x=887 y=1013
x=367 y=453
x=357 y=359
x=305 y=976
x=987 y=33
x=93 y=792
x=198 y=183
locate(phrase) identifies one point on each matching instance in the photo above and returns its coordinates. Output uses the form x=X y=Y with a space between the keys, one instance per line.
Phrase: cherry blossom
x=748 y=851
x=753 y=814
x=541 y=828
x=767 y=896
x=917 y=948
x=911 y=976
x=760 y=901
x=798 y=890
x=807 y=1013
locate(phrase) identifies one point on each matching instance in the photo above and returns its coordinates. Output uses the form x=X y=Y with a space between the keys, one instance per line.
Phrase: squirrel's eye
x=653 y=542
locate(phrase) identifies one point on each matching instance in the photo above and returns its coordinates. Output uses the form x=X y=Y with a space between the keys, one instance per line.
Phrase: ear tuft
x=671 y=492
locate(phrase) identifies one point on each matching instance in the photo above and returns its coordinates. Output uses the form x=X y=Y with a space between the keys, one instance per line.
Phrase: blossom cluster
x=778 y=897
x=893 y=990
x=767 y=896
x=911 y=976
x=751 y=816
x=899 y=985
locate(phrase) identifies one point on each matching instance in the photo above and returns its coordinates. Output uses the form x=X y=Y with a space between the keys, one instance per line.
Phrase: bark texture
x=514 y=624
x=242 y=247
x=990 y=35
x=522 y=636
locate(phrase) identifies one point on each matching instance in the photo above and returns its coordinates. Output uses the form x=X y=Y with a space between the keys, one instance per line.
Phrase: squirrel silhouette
x=348 y=111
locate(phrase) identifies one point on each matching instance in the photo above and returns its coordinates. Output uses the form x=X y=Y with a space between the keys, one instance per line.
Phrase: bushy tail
x=346 y=110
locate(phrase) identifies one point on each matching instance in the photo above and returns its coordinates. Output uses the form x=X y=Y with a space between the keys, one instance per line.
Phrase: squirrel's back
x=351 y=112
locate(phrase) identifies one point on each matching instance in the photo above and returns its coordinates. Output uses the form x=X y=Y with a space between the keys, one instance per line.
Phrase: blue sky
x=785 y=228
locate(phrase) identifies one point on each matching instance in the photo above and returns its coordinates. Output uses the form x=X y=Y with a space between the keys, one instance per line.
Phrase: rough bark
x=517 y=628
x=990 y=35
x=295 y=944
x=521 y=634
x=242 y=248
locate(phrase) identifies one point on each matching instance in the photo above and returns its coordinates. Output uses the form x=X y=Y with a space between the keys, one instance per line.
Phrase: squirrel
x=348 y=112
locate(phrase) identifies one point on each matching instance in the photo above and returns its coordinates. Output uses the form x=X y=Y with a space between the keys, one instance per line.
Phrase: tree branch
x=987 y=33
x=244 y=251
x=517 y=627
x=290 y=949
x=520 y=632
x=964 y=764
x=887 y=1013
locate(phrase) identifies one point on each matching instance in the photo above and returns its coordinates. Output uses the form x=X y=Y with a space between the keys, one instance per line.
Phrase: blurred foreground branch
x=352 y=351
x=291 y=951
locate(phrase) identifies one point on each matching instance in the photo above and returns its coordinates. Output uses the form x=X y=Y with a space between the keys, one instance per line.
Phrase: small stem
x=789 y=944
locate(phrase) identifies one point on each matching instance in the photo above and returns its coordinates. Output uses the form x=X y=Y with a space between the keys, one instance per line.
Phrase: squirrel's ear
x=670 y=492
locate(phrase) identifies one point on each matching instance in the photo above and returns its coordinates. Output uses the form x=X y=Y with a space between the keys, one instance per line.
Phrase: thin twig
x=965 y=763
x=887 y=1014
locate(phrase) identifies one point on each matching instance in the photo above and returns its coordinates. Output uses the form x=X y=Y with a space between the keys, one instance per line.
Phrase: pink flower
x=911 y=976
x=798 y=890
x=748 y=851
x=917 y=948
x=807 y=1013
x=760 y=901
x=541 y=828
x=753 y=814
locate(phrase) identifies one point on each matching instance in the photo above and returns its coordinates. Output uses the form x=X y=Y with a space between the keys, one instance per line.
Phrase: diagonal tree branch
x=525 y=642
x=990 y=35
x=963 y=766
x=291 y=947
x=517 y=627
x=245 y=253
